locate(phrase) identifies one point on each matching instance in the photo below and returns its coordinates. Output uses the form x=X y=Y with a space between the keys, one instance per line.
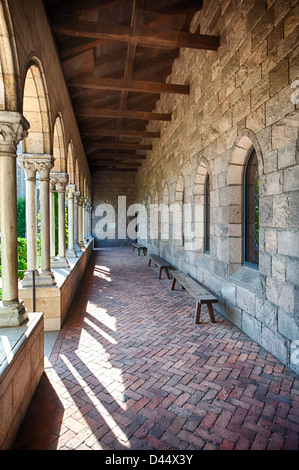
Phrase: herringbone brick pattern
x=131 y=370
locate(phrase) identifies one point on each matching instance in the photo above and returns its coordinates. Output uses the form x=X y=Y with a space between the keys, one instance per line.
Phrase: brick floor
x=131 y=370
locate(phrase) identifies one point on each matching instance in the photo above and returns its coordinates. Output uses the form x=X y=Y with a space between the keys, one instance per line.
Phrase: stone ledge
x=22 y=365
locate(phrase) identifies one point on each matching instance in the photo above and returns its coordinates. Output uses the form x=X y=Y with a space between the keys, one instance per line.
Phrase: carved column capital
x=77 y=196
x=44 y=164
x=81 y=200
x=60 y=179
x=70 y=190
x=28 y=165
x=13 y=128
x=41 y=163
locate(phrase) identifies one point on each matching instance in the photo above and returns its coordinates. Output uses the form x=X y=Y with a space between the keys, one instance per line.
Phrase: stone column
x=61 y=260
x=28 y=164
x=71 y=188
x=85 y=206
x=44 y=165
x=90 y=220
x=53 y=182
x=80 y=221
x=13 y=128
x=76 y=222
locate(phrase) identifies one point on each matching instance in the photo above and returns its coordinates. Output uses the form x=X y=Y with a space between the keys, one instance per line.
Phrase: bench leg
x=160 y=273
x=149 y=263
x=198 y=310
x=211 y=312
x=144 y=251
x=138 y=251
x=168 y=275
x=173 y=283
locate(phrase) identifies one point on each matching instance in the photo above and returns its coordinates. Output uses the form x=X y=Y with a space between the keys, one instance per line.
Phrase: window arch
x=207 y=213
x=251 y=210
x=202 y=206
x=245 y=144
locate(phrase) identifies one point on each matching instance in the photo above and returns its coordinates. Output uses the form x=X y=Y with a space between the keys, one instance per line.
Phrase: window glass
x=251 y=212
x=207 y=214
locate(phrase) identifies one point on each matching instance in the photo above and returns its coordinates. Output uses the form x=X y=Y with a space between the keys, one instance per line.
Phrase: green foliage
x=21 y=217
x=22 y=256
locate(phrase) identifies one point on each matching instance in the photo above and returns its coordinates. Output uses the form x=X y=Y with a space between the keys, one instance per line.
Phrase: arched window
x=251 y=211
x=207 y=214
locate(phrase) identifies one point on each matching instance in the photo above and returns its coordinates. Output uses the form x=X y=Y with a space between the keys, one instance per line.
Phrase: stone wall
x=109 y=217
x=245 y=94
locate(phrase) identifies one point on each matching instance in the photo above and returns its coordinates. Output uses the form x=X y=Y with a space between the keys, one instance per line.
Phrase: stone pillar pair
x=41 y=164
x=86 y=222
x=59 y=180
x=77 y=247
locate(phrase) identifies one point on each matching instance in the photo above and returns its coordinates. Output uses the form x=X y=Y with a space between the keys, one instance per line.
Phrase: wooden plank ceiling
x=116 y=56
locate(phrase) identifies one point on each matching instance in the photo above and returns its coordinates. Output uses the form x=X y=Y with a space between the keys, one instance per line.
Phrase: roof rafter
x=115 y=113
x=141 y=35
x=128 y=85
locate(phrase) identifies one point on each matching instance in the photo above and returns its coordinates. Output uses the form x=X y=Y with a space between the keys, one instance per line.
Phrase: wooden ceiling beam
x=126 y=156
x=128 y=85
x=114 y=162
x=120 y=133
x=142 y=35
x=109 y=146
x=71 y=47
x=114 y=113
x=113 y=169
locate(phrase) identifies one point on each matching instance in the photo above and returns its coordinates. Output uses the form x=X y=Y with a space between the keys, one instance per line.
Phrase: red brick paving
x=131 y=370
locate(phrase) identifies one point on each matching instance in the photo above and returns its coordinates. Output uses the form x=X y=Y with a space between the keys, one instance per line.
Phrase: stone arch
x=202 y=171
x=36 y=109
x=77 y=177
x=71 y=162
x=10 y=90
x=59 y=147
x=154 y=218
x=245 y=142
x=148 y=208
x=177 y=213
x=164 y=215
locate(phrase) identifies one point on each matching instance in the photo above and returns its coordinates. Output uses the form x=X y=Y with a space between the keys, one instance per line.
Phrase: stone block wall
x=245 y=94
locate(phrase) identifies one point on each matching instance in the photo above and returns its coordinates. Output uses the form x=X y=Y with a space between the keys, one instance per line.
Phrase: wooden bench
x=161 y=263
x=139 y=247
x=201 y=295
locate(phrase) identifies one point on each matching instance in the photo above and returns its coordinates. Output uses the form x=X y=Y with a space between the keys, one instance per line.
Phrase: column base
x=78 y=250
x=12 y=313
x=60 y=263
x=45 y=278
x=27 y=281
x=42 y=279
x=71 y=254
